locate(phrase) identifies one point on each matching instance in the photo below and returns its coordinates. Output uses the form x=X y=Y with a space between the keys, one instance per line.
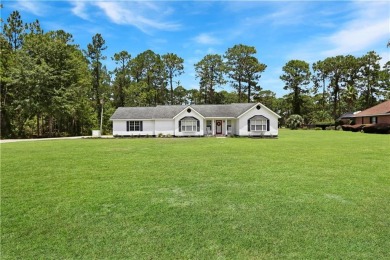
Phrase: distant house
x=241 y=119
x=374 y=115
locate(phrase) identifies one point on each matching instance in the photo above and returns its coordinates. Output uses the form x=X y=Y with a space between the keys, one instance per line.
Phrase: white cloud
x=146 y=16
x=357 y=36
x=207 y=39
x=80 y=10
x=36 y=8
x=138 y=14
x=367 y=28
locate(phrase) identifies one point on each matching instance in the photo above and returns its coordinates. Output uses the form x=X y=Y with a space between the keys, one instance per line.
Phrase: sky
x=279 y=30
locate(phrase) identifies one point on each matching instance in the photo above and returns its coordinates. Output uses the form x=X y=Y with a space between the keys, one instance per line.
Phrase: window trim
x=186 y=127
x=134 y=126
x=258 y=123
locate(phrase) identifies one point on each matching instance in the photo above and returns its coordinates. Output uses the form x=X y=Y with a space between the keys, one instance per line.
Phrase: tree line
x=50 y=86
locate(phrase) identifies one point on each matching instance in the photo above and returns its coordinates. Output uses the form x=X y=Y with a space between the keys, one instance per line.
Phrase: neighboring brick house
x=374 y=115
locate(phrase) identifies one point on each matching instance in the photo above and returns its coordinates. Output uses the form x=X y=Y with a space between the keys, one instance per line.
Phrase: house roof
x=380 y=109
x=169 y=112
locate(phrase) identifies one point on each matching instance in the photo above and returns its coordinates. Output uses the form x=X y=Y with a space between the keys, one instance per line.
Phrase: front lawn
x=306 y=195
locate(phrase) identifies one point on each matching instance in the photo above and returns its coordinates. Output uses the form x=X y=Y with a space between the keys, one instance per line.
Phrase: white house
x=241 y=119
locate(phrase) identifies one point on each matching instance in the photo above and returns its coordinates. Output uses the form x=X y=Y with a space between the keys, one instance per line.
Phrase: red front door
x=218 y=128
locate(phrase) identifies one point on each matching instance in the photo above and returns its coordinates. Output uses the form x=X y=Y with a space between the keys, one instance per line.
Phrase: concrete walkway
x=47 y=139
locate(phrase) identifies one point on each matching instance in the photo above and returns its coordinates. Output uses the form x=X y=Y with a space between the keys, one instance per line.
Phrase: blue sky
x=280 y=30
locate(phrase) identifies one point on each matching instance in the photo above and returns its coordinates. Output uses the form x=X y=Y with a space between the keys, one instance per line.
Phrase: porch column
x=226 y=130
x=213 y=126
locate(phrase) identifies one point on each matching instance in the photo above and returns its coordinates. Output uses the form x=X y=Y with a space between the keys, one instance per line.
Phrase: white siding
x=242 y=123
x=119 y=128
x=193 y=113
x=165 y=127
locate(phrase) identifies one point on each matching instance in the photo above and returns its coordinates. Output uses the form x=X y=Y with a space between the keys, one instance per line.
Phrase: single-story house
x=241 y=119
x=374 y=115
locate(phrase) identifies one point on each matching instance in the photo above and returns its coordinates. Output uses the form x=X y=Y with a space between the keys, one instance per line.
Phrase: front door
x=218 y=128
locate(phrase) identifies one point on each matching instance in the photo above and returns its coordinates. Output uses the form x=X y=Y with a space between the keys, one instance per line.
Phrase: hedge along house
x=241 y=119
x=374 y=115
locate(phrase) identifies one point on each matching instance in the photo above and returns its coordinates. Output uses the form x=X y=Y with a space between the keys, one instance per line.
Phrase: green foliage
x=210 y=71
x=173 y=65
x=294 y=121
x=200 y=198
x=296 y=77
x=243 y=67
x=49 y=86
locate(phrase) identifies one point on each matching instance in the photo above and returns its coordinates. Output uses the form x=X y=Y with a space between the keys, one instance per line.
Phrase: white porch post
x=213 y=126
x=226 y=130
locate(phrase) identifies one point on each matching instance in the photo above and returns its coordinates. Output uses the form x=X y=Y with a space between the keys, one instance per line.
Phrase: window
x=229 y=125
x=373 y=120
x=189 y=124
x=258 y=123
x=134 y=126
x=209 y=125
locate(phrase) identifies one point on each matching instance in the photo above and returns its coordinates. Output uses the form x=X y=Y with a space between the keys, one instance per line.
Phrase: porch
x=219 y=127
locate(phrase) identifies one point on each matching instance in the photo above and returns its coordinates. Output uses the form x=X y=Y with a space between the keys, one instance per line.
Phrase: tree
x=210 y=70
x=95 y=56
x=180 y=95
x=385 y=81
x=350 y=97
x=369 y=81
x=296 y=77
x=148 y=67
x=243 y=67
x=14 y=30
x=337 y=72
x=267 y=98
x=122 y=77
x=174 y=67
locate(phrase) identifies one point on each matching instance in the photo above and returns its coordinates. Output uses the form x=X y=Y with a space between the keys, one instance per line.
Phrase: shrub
x=294 y=121
x=329 y=128
x=346 y=127
x=160 y=135
x=317 y=128
x=381 y=128
x=357 y=128
x=344 y=122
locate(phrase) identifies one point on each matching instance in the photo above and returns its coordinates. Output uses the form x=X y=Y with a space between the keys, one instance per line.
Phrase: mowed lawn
x=306 y=195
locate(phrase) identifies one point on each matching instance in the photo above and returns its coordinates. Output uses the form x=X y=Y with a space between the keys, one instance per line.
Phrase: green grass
x=306 y=195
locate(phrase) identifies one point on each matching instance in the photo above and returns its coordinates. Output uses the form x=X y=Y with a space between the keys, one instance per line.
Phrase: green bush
x=294 y=121
x=357 y=128
x=381 y=128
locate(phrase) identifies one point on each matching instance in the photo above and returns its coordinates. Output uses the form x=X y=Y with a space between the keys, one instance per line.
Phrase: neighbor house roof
x=169 y=112
x=380 y=109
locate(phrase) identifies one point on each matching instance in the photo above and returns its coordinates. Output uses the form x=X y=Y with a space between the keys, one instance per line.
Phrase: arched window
x=189 y=124
x=258 y=123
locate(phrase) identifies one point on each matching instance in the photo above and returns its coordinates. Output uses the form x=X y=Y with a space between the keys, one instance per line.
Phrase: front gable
x=260 y=109
x=189 y=111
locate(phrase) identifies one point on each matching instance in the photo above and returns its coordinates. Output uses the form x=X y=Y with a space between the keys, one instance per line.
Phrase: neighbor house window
x=258 y=123
x=189 y=124
x=134 y=126
x=373 y=120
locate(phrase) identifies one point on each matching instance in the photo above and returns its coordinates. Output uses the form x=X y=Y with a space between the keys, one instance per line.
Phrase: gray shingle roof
x=169 y=112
